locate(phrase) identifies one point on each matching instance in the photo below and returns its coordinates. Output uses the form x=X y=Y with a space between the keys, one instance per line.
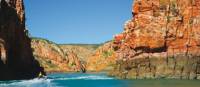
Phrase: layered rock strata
x=160 y=41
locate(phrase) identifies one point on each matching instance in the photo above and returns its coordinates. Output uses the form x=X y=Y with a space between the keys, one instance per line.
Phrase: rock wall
x=103 y=59
x=16 y=58
x=49 y=55
x=78 y=54
x=160 y=41
x=62 y=58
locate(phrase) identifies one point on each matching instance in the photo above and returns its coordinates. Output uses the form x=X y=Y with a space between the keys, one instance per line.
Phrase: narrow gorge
x=161 y=40
x=62 y=57
x=73 y=57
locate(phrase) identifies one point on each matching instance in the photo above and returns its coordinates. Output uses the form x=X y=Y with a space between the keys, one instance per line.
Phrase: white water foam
x=93 y=77
x=51 y=81
x=29 y=83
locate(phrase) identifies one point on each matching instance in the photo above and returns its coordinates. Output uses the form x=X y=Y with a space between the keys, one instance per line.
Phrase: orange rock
x=119 y=37
x=165 y=30
x=103 y=59
x=136 y=9
x=162 y=29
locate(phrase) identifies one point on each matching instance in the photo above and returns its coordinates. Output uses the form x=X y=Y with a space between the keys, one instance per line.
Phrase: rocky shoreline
x=177 y=67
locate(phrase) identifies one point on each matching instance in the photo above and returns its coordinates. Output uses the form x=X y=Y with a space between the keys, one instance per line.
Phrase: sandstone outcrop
x=160 y=41
x=79 y=51
x=49 y=55
x=83 y=51
x=16 y=58
x=61 y=58
x=103 y=59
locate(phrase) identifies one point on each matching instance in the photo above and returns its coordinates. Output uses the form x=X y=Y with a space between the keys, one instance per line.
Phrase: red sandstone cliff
x=103 y=58
x=62 y=58
x=16 y=58
x=160 y=41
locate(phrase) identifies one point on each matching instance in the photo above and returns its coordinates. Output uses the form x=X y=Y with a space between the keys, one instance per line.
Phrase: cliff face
x=83 y=51
x=160 y=41
x=73 y=57
x=61 y=58
x=50 y=56
x=16 y=58
x=103 y=59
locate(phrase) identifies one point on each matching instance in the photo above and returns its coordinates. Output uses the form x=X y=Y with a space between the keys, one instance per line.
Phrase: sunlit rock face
x=58 y=58
x=103 y=59
x=16 y=58
x=162 y=40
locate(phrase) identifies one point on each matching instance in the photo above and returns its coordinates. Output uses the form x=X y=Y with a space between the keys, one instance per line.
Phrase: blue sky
x=77 y=21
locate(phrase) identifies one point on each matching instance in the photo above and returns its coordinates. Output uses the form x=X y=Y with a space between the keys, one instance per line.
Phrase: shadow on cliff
x=17 y=61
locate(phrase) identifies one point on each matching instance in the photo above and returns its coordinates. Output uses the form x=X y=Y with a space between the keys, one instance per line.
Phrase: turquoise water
x=95 y=80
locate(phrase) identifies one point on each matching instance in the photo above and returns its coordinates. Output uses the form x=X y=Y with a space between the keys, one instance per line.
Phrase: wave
x=28 y=83
x=85 y=78
x=52 y=81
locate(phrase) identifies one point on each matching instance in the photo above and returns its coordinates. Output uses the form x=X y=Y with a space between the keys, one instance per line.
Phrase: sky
x=77 y=21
